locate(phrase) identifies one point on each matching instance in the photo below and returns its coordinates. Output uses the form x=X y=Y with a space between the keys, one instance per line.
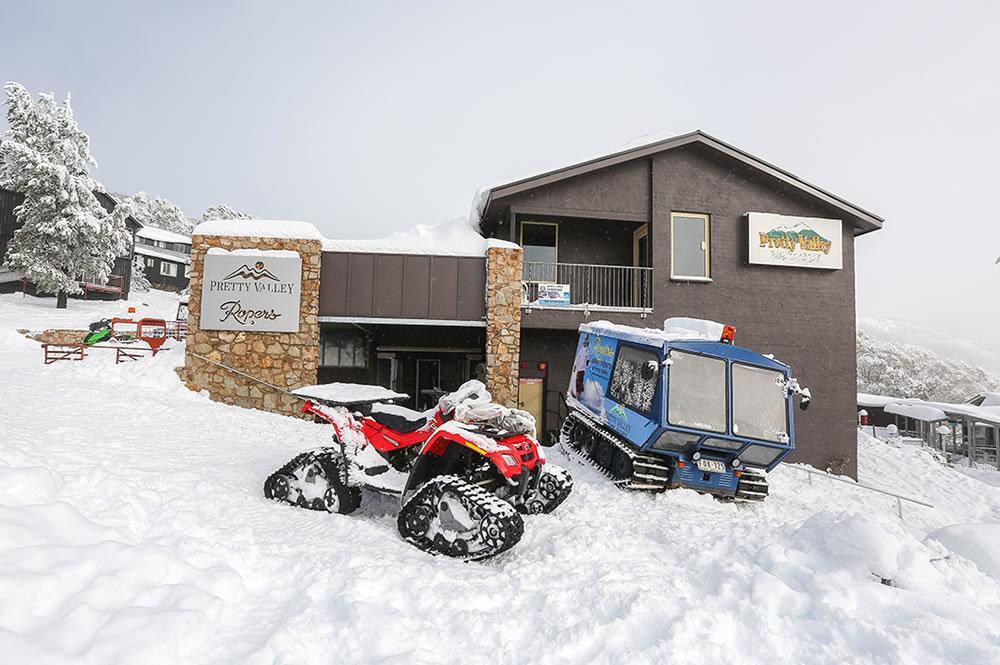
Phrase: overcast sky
x=368 y=117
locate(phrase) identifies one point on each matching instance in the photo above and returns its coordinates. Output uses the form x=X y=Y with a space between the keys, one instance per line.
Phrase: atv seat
x=398 y=418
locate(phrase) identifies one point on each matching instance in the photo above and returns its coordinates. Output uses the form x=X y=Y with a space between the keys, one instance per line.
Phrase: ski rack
x=871 y=488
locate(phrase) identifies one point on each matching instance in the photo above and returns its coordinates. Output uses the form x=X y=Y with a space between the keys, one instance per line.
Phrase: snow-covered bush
x=65 y=234
x=224 y=211
x=150 y=210
x=905 y=370
x=139 y=280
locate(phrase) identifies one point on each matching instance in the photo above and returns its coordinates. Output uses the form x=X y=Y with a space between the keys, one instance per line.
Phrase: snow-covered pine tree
x=157 y=211
x=65 y=234
x=139 y=280
x=224 y=211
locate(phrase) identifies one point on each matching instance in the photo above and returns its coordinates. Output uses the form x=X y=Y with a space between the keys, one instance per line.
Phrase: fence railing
x=900 y=498
x=591 y=286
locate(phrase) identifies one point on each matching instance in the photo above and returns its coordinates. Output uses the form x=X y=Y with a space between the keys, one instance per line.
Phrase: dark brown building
x=118 y=285
x=633 y=237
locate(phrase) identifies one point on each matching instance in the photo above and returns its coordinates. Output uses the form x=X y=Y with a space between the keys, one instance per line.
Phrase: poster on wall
x=251 y=290
x=797 y=242
x=553 y=295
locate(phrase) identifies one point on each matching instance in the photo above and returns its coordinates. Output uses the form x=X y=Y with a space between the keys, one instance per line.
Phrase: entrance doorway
x=531 y=398
x=428 y=385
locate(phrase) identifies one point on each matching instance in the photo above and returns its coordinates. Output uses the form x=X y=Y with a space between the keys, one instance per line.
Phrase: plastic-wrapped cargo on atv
x=680 y=407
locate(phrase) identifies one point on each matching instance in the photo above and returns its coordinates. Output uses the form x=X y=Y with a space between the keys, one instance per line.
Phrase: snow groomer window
x=697 y=392
x=343 y=350
x=633 y=382
x=689 y=246
x=759 y=406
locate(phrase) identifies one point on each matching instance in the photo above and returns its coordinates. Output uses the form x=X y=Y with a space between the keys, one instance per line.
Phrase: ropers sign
x=254 y=291
x=802 y=242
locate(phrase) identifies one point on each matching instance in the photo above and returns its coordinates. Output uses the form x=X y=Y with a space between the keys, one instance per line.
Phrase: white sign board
x=554 y=295
x=254 y=291
x=799 y=242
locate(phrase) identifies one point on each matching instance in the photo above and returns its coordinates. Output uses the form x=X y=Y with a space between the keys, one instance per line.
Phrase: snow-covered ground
x=31 y=313
x=133 y=530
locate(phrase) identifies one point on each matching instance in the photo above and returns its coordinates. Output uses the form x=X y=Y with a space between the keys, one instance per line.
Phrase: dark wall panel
x=333 y=284
x=416 y=278
x=471 y=299
x=402 y=286
x=388 y=291
x=618 y=189
x=444 y=287
x=361 y=284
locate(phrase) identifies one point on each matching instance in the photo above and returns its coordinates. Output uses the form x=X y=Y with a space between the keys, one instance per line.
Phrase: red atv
x=465 y=470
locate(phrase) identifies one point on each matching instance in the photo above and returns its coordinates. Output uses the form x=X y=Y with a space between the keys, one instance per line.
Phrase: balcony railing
x=583 y=286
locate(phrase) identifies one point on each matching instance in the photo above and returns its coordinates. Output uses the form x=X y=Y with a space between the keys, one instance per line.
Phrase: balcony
x=587 y=287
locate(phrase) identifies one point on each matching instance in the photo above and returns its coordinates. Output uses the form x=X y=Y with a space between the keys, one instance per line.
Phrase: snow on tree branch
x=224 y=211
x=65 y=233
x=151 y=210
x=905 y=370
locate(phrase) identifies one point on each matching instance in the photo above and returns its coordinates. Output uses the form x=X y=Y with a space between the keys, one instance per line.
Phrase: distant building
x=166 y=256
x=118 y=285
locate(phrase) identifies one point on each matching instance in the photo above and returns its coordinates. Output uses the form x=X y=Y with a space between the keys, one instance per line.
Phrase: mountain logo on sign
x=798 y=236
x=257 y=273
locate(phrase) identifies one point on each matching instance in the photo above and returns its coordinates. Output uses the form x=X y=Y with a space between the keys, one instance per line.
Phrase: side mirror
x=805 y=399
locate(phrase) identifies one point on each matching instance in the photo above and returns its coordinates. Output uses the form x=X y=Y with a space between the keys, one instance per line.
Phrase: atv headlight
x=508 y=459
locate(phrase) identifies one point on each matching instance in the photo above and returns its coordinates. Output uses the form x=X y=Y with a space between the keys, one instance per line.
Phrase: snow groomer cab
x=680 y=407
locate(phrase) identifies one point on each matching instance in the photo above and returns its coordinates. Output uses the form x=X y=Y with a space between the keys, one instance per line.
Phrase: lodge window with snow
x=759 y=403
x=343 y=350
x=633 y=382
x=697 y=392
x=168 y=269
x=540 y=241
x=689 y=246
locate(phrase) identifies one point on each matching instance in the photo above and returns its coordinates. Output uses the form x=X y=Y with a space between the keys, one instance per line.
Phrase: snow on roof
x=258 y=228
x=674 y=329
x=919 y=409
x=160 y=253
x=923 y=412
x=876 y=401
x=455 y=237
x=277 y=253
x=153 y=233
x=347 y=393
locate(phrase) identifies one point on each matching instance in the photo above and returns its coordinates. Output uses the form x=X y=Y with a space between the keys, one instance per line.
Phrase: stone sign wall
x=284 y=360
x=503 y=321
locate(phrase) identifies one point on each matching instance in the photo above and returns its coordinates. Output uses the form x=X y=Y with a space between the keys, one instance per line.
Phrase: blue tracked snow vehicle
x=680 y=407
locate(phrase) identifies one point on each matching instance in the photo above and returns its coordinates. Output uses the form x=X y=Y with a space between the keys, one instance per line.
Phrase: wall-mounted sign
x=553 y=295
x=249 y=290
x=801 y=242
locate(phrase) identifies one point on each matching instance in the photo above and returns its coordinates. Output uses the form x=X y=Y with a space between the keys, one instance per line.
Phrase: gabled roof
x=864 y=221
x=155 y=233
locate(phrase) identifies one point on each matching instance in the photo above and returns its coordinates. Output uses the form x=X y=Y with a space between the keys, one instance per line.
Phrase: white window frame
x=187 y=271
x=707 y=244
x=168 y=269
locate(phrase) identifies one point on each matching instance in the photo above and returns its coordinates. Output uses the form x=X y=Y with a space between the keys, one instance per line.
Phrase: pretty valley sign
x=255 y=291
x=800 y=242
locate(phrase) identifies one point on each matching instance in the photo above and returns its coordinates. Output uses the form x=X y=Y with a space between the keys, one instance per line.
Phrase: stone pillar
x=284 y=360
x=503 y=320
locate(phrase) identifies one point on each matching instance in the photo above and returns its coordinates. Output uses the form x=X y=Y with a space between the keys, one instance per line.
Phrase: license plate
x=711 y=466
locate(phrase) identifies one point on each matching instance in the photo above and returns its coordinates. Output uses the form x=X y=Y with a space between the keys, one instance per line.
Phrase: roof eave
x=870 y=221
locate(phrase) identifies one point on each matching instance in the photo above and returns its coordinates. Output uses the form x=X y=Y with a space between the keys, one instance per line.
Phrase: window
x=633 y=381
x=759 y=403
x=187 y=271
x=689 y=246
x=150 y=262
x=540 y=241
x=168 y=269
x=339 y=349
x=697 y=392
